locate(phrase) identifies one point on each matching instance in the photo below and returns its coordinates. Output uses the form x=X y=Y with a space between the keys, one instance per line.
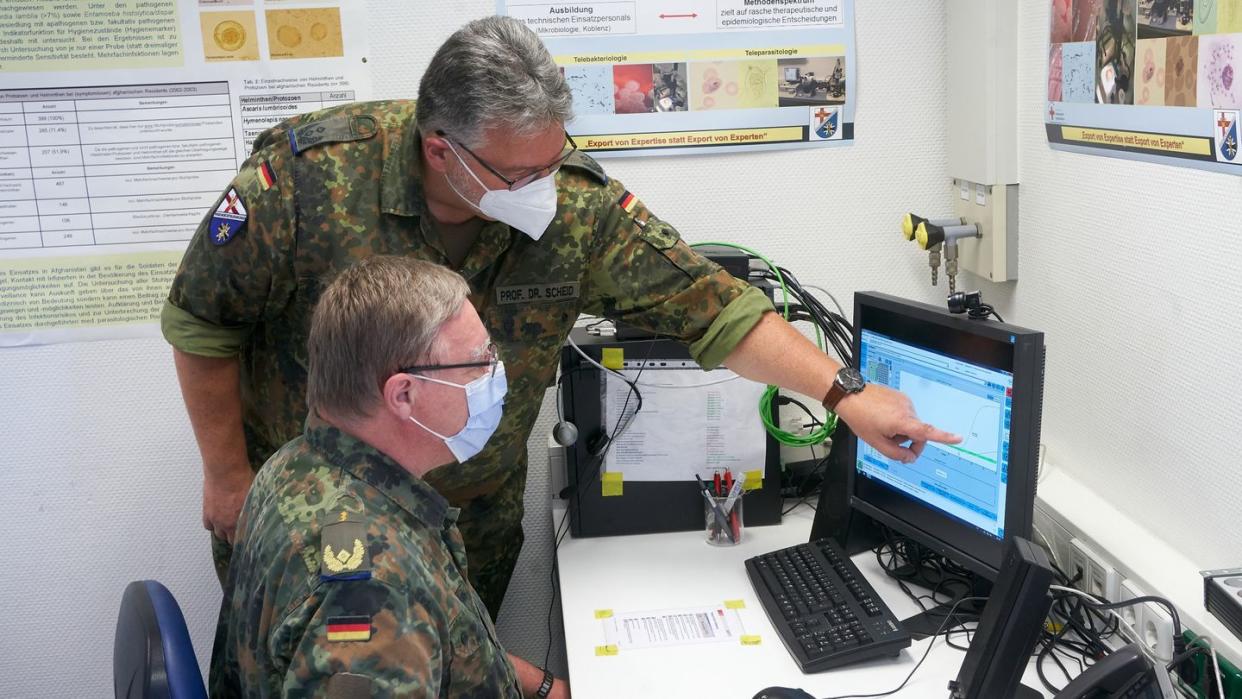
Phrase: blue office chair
x=152 y=657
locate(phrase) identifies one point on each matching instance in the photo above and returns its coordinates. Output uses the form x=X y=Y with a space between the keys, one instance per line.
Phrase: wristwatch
x=545 y=687
x=847 y=382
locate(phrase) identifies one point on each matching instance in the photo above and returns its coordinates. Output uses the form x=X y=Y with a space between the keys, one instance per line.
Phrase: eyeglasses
x=529 y=177
x=493 y=358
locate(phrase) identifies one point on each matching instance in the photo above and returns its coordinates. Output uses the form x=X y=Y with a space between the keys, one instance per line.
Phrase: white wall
x=1130 y=268
x=1133 y=271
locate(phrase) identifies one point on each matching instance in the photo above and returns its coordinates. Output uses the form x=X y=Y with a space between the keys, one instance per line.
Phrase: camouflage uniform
x=346 y=184
x=295 y=624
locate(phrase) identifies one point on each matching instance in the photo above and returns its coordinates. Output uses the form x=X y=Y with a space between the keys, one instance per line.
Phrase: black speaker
x=1009 y=628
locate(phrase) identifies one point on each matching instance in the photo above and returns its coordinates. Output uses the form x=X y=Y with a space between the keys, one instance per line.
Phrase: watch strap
x=545 y=687
x=834 y=396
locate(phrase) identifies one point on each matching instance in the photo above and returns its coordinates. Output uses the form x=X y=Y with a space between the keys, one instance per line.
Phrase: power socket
x=1157 y=630
x=1150 y=621
x=1133 y=615
x=1097 y=576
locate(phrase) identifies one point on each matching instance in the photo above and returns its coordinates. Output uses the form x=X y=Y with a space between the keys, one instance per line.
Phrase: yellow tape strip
x=612 y=484
x=614 y=358
x=606 y=650
x=751 y=640
x=754 y=481
x=603 y=613
x=735 y=604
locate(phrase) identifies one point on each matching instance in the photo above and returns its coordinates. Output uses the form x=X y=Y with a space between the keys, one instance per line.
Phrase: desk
x=661 y=571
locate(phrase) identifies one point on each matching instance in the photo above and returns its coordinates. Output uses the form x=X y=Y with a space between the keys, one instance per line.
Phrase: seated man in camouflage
x=349 y=576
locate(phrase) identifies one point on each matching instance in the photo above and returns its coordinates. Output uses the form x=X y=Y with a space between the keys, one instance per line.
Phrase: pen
x=716 y=482
x=721 y=521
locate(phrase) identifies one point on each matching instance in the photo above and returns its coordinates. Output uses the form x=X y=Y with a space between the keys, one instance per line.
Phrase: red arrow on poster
x=692 y=15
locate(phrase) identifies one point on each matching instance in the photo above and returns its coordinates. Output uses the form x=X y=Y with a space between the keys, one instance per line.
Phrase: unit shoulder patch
x=228 y=219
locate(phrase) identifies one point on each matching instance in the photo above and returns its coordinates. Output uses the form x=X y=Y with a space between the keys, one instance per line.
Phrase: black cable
x=919 y=664
x=982 y=311
x=560 y=531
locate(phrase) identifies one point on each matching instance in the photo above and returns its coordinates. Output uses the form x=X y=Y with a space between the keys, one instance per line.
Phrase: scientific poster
x=1155 y=80
x=649 y=77
x=120 y=124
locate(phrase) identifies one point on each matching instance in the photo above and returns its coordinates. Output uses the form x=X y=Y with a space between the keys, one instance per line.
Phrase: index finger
x=927 y=433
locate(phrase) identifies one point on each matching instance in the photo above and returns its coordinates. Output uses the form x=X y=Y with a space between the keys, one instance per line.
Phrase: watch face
x=850 y=380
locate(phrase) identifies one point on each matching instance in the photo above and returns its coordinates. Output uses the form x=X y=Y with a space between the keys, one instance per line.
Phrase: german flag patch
x=349 y=628
x=266 y=176
x=627 y=202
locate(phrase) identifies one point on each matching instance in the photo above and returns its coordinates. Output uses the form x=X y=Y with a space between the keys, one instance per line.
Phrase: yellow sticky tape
x=614 y=358
x=603 y=613
x=605 y=650
x=754 y=480
x=735 y=604
x=612 y=484
x=751 y=640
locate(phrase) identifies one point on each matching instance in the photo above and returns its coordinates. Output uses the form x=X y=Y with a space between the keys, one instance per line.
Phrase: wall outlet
x=1157 y=630
x=1150 y=621
x=1052 y=536
x=1132 y=615
x=1098 y=576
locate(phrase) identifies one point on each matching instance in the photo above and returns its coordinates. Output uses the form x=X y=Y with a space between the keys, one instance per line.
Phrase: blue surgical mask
x=485 y=400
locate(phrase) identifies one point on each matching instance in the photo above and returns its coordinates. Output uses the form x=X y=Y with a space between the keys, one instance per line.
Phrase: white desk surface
x=675 y=570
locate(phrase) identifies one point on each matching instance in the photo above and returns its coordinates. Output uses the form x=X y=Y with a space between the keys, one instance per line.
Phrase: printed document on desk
x=673 y=627
x=691 y=422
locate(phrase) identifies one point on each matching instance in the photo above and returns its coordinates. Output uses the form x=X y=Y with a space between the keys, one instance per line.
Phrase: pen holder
x=726 y=530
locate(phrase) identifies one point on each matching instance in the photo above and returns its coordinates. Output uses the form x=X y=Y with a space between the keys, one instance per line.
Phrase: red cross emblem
x=1052 y=112
x=230 y=202
x=1224 y=123
x=821 y=114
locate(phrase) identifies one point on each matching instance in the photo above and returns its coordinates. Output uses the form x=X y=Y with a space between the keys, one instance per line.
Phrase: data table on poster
x=261 y=112
x=112 y=165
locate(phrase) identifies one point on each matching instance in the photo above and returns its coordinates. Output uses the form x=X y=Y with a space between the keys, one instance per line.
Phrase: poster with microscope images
x=650 y=77
x=122 y=122
x=1154 y=80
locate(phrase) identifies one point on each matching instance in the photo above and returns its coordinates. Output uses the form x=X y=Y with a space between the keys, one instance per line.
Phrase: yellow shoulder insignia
x=344 y=554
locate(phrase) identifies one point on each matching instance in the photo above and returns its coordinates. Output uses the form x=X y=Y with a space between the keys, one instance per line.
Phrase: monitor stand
x=927 y=623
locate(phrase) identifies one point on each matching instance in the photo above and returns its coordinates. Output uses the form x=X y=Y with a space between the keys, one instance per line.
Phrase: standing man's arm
x=645 y=275
x=212 y=392
x=773 y=352
x=226 y=284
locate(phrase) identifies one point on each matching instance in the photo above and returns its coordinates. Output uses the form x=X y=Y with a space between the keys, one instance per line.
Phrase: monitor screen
x=965 y=481
x=980 y=379
x=792 y=75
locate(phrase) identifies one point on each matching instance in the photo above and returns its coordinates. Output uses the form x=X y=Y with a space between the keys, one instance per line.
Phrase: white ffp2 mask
x=529 y=209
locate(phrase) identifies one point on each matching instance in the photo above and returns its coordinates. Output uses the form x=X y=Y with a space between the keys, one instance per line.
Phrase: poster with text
x=1154 y=80
x=693 y=76
x=121 y=122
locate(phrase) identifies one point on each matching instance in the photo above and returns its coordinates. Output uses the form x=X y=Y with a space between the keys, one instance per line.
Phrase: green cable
x=820 y=434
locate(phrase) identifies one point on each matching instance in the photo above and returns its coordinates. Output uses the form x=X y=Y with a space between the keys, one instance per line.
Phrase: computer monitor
x=980 y=379
x=792 y=74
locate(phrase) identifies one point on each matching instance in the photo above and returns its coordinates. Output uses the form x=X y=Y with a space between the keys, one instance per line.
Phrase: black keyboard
x=825 y=612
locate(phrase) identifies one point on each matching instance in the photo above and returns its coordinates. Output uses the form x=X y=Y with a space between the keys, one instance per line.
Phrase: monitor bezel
x=946 y=535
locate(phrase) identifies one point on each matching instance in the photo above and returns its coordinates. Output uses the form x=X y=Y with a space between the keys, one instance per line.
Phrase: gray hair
x=492 y=72
x=381 y=314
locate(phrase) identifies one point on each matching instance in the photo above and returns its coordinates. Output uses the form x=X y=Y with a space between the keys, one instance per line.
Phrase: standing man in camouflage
x=349 y=574
x=479 y=176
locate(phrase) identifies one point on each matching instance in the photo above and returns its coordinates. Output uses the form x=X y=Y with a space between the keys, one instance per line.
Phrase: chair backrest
x=152 y=657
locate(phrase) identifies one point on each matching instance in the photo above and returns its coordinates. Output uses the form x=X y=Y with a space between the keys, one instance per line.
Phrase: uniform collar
x=401 y=182
x=368 y=464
